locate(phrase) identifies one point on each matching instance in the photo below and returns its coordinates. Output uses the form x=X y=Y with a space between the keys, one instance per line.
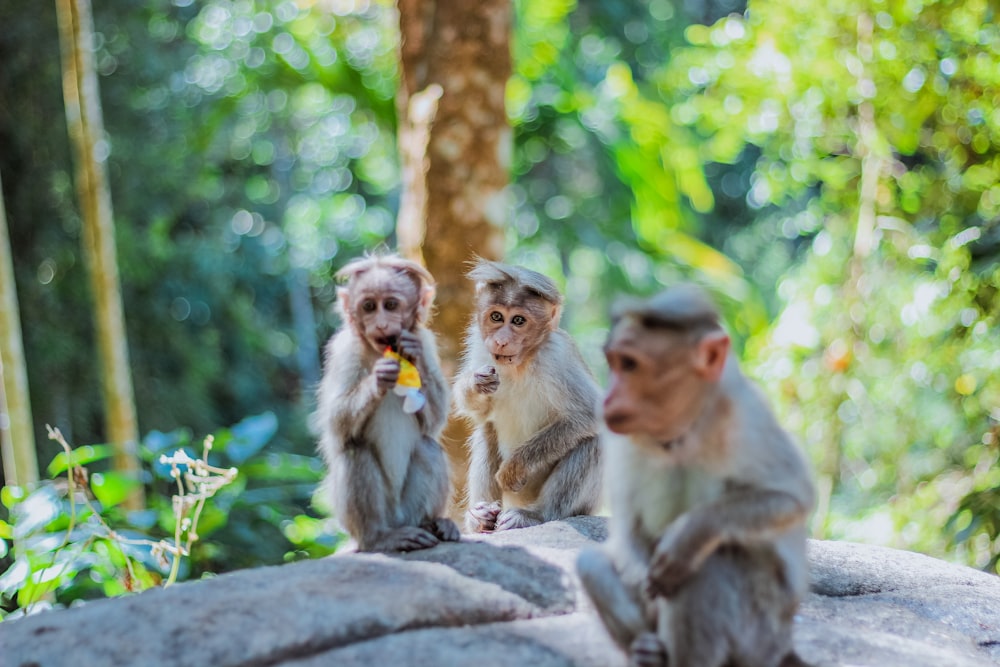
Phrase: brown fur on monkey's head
x=685 y=307
x=512 y=285
x=516 y=310
x=386 y=270
x=666 y=356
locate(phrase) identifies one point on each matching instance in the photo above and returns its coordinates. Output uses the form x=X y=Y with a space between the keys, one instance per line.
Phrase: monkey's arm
x=484 y=492
x=484 y=460
x=423 y=352
x=742 y=516
x=470 y=399
x=545 y=448
x=350 y=391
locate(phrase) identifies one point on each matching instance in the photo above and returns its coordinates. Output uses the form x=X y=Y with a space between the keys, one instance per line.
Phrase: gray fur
x=544 y=415
x=388 y=475
x=727 y=506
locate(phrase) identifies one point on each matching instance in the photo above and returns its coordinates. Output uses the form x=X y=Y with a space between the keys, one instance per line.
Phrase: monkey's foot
x=407 y=538
x=442 y=528
x=793 y=660
x=514 y=518
x=647 y=651
x=482 y=517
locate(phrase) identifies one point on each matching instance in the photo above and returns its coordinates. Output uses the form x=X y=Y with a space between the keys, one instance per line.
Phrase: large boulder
x=509 y=599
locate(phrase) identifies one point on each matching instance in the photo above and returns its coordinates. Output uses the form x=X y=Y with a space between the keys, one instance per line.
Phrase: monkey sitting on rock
x=532 y=402
x=382 y=404
x=706 y=558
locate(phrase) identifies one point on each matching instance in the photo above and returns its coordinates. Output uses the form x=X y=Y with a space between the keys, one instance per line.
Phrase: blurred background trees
x=830 y=172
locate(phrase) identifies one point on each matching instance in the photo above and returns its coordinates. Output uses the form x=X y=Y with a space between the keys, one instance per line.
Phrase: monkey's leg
x=694 y=630
x=367 y=510
x=737 y=608
x=574 y=485
x=617 y=604
x=424 y=497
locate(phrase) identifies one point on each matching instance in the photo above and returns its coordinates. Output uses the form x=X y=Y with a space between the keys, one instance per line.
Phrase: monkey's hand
x=680 y=553
x=513 y=474
x=410 y=346
x=386 y=373
x=647 y=651
x=482 y=517
x=486 y=380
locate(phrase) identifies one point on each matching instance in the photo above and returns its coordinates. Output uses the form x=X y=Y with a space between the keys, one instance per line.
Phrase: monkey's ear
x=555 y=312
x=427 y=293
x=710 y=355
x=344 y=304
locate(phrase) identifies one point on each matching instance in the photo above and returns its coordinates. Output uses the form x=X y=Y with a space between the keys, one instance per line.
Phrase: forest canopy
x=831 y=171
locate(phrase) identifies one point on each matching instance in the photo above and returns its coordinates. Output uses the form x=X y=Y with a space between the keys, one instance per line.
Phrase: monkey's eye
x=368 y=305
x=627 y=364
x=518 y=320
x=496 y=316
x=390 y=304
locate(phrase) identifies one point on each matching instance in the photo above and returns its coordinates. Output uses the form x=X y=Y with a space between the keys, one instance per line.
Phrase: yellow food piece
x=408 y=374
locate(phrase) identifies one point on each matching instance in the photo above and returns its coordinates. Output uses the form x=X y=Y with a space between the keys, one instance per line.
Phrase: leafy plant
x=68 y=538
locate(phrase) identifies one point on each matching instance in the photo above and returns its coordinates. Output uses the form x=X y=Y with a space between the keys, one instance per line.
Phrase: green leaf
x=79 y=456
x=283 y=466
x=13 y=579
x=11 y=495
x=111 y=488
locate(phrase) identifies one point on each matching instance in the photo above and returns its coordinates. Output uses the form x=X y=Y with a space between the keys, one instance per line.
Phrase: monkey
x=532 y=402
x=705 y=562
x=387 y=472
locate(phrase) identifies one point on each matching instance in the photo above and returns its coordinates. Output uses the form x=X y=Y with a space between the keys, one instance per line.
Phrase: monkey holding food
x=706 y=558
x=523 y=385
x=382 y=404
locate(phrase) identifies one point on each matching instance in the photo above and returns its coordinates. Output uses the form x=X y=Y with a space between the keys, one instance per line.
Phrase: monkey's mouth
x=387 y=341
x=504 y=359
x=617 y=423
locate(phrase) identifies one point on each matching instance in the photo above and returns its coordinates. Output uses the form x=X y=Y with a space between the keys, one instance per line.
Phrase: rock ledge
x=503 y=600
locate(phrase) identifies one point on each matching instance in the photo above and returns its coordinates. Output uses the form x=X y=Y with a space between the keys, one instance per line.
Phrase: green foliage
x=830 y=170
x=884 y=356
x=836 y=165
x=257 y=520
x=58 y=550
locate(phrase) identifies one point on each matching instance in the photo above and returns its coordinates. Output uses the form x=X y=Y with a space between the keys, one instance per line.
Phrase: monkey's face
x=512 y=332
x=381 y=304
x=654 y=388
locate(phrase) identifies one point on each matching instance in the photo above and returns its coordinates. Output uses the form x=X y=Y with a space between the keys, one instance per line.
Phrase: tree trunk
x=455 y=146
x=17 y=436
x=90 y=149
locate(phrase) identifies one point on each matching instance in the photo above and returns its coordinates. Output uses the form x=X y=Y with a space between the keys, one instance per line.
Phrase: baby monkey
x=388 y=476
x=533 y=404
x=706 y=558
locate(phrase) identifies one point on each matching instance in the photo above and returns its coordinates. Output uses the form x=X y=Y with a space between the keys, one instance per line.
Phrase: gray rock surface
x=509 y=599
